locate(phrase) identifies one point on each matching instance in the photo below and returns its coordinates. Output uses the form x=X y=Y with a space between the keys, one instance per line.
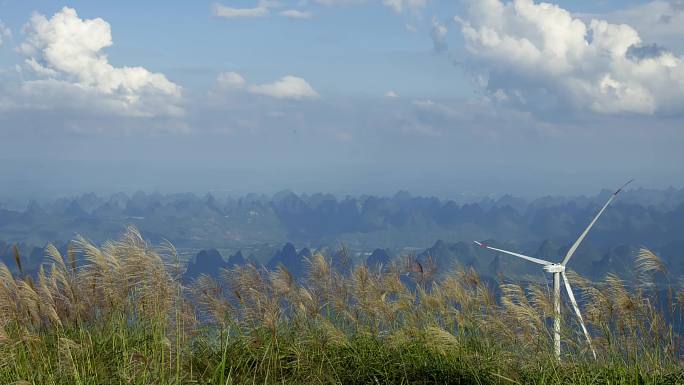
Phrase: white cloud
x=65 y=54
x=34 y=66
x=287 y=87
x=53 y=94
x=538 y=55
x=339 y=2
x=231 y=80
x=223 y=11
x=296 y=14
x=399 y=6
x=411 y=28
x=659 y=20
x=262 y=9
x=4 y=32
x=391 y=94
x=438 y=34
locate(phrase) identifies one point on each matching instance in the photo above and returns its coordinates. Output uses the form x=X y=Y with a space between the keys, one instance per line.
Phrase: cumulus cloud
x=4 y=32
x=65 y=55
x=287 y=87
x=231 y=80
x=391 y=94
x=540 y=55
x=262 y=9
x=230 y=13
x=659 y=20
x=339 y=2
x=296 y=14
x=399 y=6
x=438 y=34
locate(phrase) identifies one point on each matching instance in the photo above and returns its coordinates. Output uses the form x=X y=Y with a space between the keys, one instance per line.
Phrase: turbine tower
x=558 y=271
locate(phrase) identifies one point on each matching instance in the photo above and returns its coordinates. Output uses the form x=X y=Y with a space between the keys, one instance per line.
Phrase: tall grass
x=122 y=317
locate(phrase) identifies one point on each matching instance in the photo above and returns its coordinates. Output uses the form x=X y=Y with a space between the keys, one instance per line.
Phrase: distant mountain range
x=373 y=228
x=444 y=257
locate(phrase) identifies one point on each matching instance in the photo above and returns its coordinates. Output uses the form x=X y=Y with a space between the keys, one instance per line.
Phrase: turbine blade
x=591 y=224
x=577 y=311
x=531 y=259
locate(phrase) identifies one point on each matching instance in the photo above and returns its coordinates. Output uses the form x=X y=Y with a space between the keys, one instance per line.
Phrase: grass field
x=123 y=317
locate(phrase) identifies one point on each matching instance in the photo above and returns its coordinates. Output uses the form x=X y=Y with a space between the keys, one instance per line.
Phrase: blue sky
x=345 y=50
x=437 y=97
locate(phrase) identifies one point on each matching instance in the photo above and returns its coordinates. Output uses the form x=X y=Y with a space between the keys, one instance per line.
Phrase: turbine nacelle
x=554 y=268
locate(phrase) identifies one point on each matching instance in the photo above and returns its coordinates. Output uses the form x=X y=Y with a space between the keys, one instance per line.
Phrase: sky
x=441 y=98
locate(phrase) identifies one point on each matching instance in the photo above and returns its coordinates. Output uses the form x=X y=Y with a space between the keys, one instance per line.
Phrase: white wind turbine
x=558 y=270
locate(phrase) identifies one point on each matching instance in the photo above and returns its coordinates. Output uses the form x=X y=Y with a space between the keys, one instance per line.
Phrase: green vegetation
x=124 y=318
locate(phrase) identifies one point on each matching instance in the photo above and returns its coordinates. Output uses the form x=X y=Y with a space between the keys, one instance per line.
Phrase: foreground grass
x=134 y=354
x=123 y=318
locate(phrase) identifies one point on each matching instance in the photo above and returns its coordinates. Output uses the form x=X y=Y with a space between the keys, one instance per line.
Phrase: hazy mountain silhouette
x=446 y=256
x=209 y=262
x=545 y=227
x=237 y=259
x=649 y=217
x=291 y=259
x=379 y=258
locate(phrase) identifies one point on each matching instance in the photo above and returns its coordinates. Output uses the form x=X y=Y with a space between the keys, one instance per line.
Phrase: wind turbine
x=558 y=271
